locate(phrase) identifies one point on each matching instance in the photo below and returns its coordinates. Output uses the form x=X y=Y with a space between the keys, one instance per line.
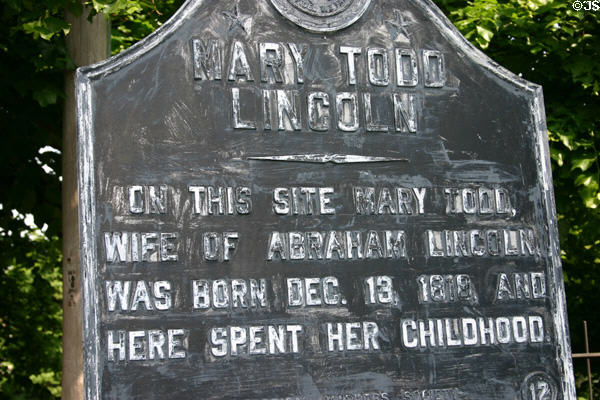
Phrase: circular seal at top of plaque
x=322 y=15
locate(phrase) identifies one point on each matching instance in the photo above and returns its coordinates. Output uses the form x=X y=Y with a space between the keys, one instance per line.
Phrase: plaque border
x=85 y=76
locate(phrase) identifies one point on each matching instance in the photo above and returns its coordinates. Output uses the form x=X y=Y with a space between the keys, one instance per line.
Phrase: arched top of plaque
x=322 y=15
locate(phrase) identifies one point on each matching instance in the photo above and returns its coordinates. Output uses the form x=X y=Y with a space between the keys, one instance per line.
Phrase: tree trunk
x=87 y=42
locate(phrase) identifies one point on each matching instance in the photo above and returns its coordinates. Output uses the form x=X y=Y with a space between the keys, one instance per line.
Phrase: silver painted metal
x=287 y=110
x=239 y=67
x=207 y=59
x=318 y=120
x=322 y=15
x=434 y=68
x=238 y=123
x=298 y=52
x=271 y=59
x=351 y=53
x=379 y=67
x=371 y=125
x=405 y=112
x=328 y=158
x=347 y=110
x=406 y=70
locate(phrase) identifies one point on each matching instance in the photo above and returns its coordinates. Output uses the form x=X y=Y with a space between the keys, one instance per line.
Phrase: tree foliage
x=30 y=282
x=33 y=60
x=545 y=41
x=549 y=43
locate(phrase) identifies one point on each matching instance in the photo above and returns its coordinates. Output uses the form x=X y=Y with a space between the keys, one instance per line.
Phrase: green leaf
x=45 y=96
x=582 y=163
x=589 y=195
x=484 y=34
x=584 y=179
x=566 y=139
x=557 y=156
x=47 y=27
x=56 y=25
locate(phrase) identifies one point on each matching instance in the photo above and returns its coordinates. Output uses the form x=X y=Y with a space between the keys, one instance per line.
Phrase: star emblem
x=397 y=26
x=237 y=20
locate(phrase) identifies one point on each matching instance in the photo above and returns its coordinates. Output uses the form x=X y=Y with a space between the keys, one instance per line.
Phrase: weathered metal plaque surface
x=293 y=199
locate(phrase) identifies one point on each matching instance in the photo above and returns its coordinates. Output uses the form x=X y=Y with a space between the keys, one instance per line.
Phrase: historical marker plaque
x=295 y=199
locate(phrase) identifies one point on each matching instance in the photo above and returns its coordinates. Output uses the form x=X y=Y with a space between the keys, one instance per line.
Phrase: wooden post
x=87 y=42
